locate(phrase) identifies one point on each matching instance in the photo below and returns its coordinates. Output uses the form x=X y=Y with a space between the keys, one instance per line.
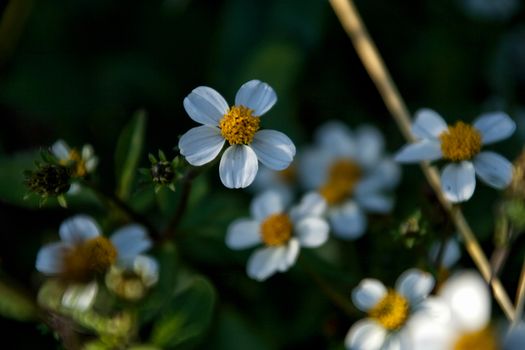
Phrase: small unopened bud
x=49 y=180
x=162 y=173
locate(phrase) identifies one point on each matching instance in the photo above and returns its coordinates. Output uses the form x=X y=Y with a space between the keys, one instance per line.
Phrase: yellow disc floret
x=391 y=311
x=460 y=142
x=239 y=125
x=276 y=230
x=343 y=175
x=89 y=258
x=78 y=165
x=484 y=339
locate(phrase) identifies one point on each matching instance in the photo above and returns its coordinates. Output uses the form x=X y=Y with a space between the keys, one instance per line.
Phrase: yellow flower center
x=484 y=339
x=343 y=175
x=78 y=168
x=276 y=230
x=88 y=259
x=238 y=126
x=392 y=311
x=460 y=142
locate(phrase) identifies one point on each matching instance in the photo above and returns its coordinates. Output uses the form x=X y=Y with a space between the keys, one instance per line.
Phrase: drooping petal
x=468 y=298
x=312 y=231
x=365 y=335
x=368 y=293
x=415 y=285
x=201 y=145
x=243 y=233
x=61 y=150
x=205 y=106
x=273 y=148
x=428 y=124
x=80 y=296
x=493 y=169
x=50 y=258
x=265 y=262
x=78 y=229
x=256 y=95
x=292 y=252
x=419 y=151
x=375 y=202
x=265 y=204
x=311 y=205
x=335 y=138
x=130 y=241
x=347 y=221
x=494 y=126
x=458 y=181
x=238 y=166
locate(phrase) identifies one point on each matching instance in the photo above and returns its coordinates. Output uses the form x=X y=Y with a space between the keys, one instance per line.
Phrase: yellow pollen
x=460 y=142
x=484 y=339
x=78 y=165
x=392 y=311
x=276 y=230
x=238 y=126
x=343 y=175
x=88 y=259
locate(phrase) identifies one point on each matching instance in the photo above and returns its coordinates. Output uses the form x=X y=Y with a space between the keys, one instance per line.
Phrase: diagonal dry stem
x=369 y=55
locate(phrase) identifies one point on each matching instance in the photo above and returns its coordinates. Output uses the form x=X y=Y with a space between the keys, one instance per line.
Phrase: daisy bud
x=48 y=180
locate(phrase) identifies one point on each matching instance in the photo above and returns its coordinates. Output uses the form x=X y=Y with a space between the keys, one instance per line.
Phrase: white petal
x=494 y=126
x=311 y=205
x=458 y=181
x=238 y=166
x=425 y=333
x=515 y=339
x=384 y=175
x=265 y=262
x=291 y=253
x=205 y=106
x=78 y=228
x=365 y=335
x=451 y=254
x=312 y=231
x=61 y=150
x=313 y=165
x=87 y=152
x=415 y=285
x=91 y=164
x=468 y=298
x=368 y=293
x=336 y=138
x=274 y=149
x=434 y=309
x=493 y=169
x=147 y=268
x=243 y=233
x=419 y=151
x=266 y=204
x=256 y=95
x=50 y=258
x=375 y=202
x=370 y=144
x=428 y=124
x=201 y=145
x=130 y=241
x=348 y=221
x=396 y=341
x=80 y=296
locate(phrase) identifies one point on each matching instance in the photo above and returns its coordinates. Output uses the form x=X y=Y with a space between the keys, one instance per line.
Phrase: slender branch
x=520 y=297
x=352 y=23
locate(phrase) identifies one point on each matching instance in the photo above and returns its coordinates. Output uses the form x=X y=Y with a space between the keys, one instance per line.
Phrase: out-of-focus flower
x=282 y=233
x=390 y=311
x=283 y=181
x=132 y=282
x=351 y=172
x=461 y=145
x=448 y=254
x=239 y=126
x=83 y=253
x=81 y=163
x=497 y=10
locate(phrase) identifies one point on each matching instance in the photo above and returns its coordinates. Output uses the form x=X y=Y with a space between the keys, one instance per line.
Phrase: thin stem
x=520 y=296
x=369 y=55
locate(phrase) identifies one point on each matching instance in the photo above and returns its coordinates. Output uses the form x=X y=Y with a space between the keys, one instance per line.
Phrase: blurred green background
x=78 y=70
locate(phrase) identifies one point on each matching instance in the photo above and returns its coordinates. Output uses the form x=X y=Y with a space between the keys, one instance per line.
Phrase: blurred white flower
x=132 y=282
x=239 y=125
x=82 y=163
x=351 y=172
x=391 y=311
x=283 y=181
x=461 y=145
x=282 y=233
x=498 y=10
x=83 y=253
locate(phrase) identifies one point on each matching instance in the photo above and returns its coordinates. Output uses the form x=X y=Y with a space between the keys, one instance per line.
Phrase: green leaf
x=16 y=305
x=127 y=156
x=188 y=316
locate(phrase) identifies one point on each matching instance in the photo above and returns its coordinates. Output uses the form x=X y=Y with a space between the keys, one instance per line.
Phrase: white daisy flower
x=82 y=163
x=282 y=233
x=461 y=145
x=390 y=311
x=467 y=327
x=83 y=253
x=350 y=171
x=239 y=125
